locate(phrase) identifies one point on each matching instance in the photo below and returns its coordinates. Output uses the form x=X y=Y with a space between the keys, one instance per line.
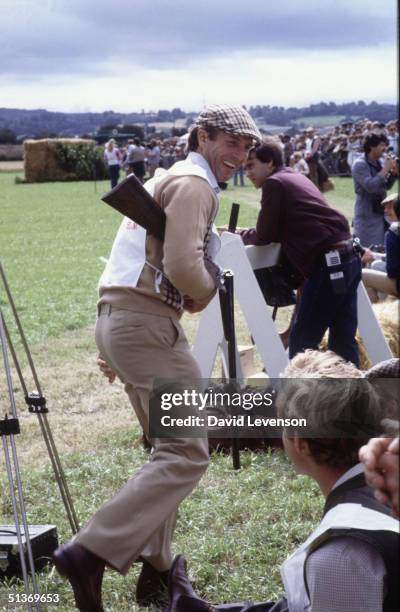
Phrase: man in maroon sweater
x=316 y=240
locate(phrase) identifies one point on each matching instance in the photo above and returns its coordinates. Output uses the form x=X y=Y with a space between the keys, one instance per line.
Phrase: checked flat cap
x=232 y=119
x=385 y=369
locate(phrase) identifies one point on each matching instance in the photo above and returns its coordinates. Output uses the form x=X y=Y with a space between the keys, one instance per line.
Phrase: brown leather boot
x=152 y=586
x=84 y=570
x=182 y=597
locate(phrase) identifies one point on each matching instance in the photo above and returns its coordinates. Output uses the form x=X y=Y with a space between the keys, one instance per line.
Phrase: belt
x=344 y=247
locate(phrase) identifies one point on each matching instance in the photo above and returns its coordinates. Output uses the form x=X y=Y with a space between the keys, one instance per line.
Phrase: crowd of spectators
x=157 y=153
x=315 y=153
x=338 y=147
x=143 y=158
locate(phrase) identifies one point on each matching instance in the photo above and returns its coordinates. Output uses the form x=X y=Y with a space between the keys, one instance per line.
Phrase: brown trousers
x=140 y=519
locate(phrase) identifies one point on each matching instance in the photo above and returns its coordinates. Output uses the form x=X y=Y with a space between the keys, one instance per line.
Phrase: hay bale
x=41 y=163
x=387 y=313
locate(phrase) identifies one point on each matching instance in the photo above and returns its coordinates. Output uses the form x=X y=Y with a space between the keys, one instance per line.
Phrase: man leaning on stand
x=316 y=240
x=143 y=291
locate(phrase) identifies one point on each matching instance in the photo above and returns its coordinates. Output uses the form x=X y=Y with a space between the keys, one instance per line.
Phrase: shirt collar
x=375 y=164
x=199 y=160
x=353 y=471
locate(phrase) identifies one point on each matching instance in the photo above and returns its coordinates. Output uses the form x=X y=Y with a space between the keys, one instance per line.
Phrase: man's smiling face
x=225 y=153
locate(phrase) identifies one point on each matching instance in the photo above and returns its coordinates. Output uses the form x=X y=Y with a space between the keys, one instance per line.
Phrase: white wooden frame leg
x=370 y=330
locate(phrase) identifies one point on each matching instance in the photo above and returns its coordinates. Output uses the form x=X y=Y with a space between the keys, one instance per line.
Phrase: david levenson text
x=232 y=421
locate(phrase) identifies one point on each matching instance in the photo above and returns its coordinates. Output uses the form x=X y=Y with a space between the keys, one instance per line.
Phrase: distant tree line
x=278 y=115
x=18 y=124
x=46 y=124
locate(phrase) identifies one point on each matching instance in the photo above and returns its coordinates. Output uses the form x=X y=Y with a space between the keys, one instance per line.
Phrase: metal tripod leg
x=48 y=439
x=37 y=405
x=8 y=429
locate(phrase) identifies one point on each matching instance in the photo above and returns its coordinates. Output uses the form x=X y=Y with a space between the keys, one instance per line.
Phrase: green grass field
x=236 y=528
x=54 y=234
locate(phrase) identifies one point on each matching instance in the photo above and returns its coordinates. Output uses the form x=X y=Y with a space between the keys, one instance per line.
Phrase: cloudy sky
x=128 y=55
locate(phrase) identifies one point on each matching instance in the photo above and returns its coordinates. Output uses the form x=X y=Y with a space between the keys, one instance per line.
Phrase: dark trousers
x=139 y=170
x=321 y=309
x=239 y=176
x=113 y=170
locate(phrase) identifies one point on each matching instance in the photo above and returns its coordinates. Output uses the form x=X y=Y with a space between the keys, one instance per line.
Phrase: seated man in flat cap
x=144 y=289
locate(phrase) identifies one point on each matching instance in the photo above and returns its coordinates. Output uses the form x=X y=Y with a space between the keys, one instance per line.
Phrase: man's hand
x=106 y=370
x=381 y=460
x=395 y=167
x=215 y=271
x=388 y=166
x=367 y=257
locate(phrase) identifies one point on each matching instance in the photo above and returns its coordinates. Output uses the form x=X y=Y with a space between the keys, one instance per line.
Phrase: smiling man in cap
x=144 y=289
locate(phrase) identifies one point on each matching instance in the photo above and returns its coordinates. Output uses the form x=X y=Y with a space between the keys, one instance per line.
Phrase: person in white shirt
x=299 y=164
x=393 y=137
x=112 y=157
x=153 y=157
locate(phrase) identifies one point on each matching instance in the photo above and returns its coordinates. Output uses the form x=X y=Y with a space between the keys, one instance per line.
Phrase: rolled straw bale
x=40 y=161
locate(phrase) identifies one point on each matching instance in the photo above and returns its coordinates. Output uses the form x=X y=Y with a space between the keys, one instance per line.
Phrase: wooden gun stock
x=131 y=199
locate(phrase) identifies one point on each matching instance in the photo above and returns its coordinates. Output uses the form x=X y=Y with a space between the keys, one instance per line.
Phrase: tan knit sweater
x=190 y=205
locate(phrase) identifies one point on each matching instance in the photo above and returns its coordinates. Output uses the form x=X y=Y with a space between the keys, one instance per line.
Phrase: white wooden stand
x=242 y=261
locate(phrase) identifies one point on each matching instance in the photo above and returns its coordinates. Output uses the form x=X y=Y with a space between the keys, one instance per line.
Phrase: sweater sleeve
x=362 y=176
x=390 y=180
x=189 y=204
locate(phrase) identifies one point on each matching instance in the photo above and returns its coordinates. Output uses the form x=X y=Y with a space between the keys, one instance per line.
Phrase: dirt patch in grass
x=83 y=407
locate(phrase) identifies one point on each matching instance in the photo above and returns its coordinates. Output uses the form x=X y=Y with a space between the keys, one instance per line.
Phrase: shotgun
x=131 y=199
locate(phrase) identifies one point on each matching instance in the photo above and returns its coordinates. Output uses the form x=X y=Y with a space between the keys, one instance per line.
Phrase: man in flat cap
x=144 y=289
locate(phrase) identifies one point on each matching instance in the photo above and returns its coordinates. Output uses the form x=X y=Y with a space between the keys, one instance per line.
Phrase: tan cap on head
x=232 y=119
x=390 y=198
